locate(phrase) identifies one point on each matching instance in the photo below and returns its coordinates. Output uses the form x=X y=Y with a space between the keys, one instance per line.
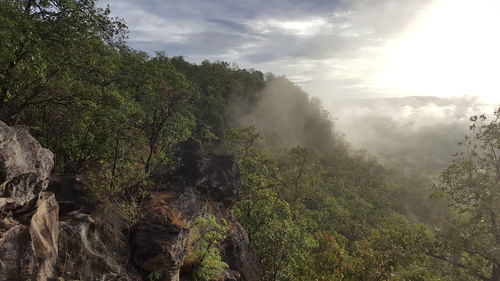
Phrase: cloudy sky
x=334 y=49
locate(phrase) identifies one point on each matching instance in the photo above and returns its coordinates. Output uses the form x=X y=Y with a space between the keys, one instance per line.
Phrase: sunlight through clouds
x=451 y=50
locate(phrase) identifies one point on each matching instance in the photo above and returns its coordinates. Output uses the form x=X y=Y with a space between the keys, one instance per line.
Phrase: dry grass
x=175 y=217
x=159 y=205
x=159 y=199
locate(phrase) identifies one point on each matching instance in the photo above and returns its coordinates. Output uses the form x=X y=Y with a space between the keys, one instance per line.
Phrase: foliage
x=471 y=240
x=48 y=42
x=203 y=254
x=154 y=276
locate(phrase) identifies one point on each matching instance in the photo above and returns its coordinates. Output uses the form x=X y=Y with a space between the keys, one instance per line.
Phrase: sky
x=333 y=49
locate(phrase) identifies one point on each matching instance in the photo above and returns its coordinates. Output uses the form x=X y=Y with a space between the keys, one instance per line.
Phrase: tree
x=53 y=52
x=167 y=118
x=279 y=239
x=203 y=254
x=302 y=179
x=471 y=241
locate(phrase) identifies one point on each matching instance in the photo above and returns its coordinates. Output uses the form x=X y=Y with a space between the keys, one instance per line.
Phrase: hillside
x=156 y=168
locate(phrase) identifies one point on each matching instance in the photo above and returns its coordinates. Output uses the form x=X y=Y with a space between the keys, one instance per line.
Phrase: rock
x=236 y=252
x=17 y=261
x=95 y=247
x=216 y=176
x=24 y=170
x=30 y=252
x=29 y=217
x=231 y=275
x=211 y=186
x=159 y=244
x=44 y=232
x=71 y=194
x=94 y=237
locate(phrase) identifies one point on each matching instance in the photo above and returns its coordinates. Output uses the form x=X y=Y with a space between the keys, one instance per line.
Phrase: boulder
x=216 y=176
x=44 y=233
x=95 y=247
x=29 y=226
x=17 y=261
x=25 y=168
x=236 y=252
x=159 y=244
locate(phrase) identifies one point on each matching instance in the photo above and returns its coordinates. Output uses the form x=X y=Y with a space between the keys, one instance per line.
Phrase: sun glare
x=452 y=49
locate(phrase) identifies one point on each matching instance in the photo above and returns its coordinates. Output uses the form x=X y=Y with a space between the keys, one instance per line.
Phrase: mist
x=410 y=134
x=288 y=117
x=419 y=133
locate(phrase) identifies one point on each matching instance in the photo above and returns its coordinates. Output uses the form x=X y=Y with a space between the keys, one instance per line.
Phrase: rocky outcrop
x=25 y=168
x=214 y=185
x=58 y=230
x=28 y=216
x=44 y=232
x=159 y=244
x=95 y=247
x=217 y=177
x=16 y=253
x=96 y=243
x=235 y=251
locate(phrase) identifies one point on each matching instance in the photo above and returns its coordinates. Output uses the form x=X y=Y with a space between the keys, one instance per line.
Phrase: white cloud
x=451 y=50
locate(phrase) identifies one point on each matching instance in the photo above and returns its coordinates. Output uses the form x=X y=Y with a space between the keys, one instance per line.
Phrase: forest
x=313 y=207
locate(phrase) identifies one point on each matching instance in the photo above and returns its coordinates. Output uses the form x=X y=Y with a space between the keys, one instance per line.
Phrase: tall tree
x=167 y=118
x=471 y=242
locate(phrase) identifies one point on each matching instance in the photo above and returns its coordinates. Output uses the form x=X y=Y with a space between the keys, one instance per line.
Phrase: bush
x=203 y=255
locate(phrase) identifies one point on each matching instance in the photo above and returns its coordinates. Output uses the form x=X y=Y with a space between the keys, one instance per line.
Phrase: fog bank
x=413 y=132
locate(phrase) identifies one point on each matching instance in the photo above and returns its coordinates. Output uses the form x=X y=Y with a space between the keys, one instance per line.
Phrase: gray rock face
x=16 y=254
x=215 y=176
x=236 y=252
x=25 y=168
x=29 y=226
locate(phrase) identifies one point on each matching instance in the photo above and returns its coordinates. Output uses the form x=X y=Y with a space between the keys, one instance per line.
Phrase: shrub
x=203 y=255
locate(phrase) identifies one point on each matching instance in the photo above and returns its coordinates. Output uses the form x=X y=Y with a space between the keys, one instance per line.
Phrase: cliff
x=52 y=227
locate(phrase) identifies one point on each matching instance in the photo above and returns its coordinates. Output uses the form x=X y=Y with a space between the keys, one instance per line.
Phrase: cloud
x=231 y=25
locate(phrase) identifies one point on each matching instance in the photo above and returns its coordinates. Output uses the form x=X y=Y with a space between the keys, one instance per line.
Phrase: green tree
x=279 y=239
x=390 y=251
x=53 y=52
x=203 y=254
x=471 y=241
x=167 y=116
